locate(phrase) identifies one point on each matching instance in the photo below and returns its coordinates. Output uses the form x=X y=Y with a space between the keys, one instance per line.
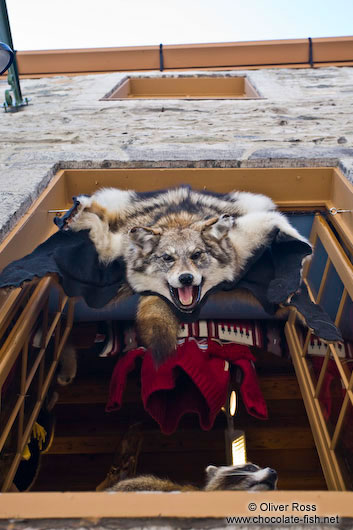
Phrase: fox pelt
x=247 y=476
x=175 y=247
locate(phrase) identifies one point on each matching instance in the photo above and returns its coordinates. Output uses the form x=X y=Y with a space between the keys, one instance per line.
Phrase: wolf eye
x=195 y=255
x=168 y=258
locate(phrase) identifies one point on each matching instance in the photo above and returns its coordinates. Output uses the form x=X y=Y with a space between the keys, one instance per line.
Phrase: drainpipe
x=13 y=96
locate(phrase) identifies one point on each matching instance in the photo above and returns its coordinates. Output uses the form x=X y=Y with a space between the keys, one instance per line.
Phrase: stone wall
x=304 y=118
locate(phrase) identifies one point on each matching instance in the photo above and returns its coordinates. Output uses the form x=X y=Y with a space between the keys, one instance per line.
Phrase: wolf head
x=181 y=260
x=243 y=477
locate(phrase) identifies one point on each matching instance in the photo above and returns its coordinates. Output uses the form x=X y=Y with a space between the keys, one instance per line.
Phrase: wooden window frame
x=182 y=87
x=302 y=188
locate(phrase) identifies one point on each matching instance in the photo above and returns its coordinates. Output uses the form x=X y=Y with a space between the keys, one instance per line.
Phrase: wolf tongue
x=185 y=295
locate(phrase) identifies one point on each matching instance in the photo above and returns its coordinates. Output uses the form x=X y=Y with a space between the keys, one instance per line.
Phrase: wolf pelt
x=178 y=244
x=242 y=477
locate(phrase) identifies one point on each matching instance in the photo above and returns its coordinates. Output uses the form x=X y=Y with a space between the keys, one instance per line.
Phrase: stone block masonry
x=304 y=118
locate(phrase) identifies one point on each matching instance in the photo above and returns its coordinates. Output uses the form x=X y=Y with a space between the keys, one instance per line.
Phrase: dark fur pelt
x=178 y=246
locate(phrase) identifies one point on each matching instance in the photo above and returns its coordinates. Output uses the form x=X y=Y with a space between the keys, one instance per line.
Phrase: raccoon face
x=181 y=263
x=243 y=477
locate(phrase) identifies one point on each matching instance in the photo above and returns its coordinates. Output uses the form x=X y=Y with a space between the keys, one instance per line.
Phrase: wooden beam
x=95 y=390
x=96 y=506
x=257 y=437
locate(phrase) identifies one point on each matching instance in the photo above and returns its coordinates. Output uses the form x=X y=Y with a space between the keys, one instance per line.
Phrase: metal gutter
x=292 y=53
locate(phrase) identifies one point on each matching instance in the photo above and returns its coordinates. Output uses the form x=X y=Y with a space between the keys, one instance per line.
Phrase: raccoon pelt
x=67 y=365
x=177 y=246
x=249 y=477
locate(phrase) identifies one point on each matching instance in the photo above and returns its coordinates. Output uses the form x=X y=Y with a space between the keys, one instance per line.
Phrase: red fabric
x=331 y=398
x=329 y=405
x=195 y=380
x=325 y=392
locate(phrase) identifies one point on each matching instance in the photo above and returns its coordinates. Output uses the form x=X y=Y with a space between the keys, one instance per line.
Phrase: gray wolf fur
x=178 y=244
x=243 y=477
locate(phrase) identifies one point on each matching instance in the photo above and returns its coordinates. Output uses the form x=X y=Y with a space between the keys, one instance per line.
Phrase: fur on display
x=179 y=244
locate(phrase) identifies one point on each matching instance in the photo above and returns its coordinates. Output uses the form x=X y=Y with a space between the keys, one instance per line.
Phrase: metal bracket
x=161 y=58
x=335 y=211
x=13 y=97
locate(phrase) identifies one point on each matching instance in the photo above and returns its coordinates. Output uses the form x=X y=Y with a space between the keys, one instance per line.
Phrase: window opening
x=184 y=87
x=24 y=309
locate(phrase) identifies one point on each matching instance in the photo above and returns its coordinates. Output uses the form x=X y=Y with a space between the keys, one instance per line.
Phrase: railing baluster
x=323 y=280
x=340 y=421
x=22 y=394
x=341 y=307
x=322 y=373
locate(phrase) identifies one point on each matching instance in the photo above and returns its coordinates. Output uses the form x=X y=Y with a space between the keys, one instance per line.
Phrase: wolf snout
x=187 y=291
x=186 y=279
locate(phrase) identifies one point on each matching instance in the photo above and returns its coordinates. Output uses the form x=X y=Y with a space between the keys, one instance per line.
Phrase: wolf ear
x=211 y=471
x=144 y=237
x=218 y=227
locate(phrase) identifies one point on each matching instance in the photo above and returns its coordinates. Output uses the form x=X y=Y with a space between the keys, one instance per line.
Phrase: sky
x=44 y=24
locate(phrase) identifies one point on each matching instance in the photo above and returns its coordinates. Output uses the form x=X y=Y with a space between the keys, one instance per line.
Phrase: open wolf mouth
x=186 y=298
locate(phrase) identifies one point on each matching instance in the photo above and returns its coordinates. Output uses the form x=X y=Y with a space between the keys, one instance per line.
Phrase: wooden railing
x=26 y=372
x=327 y=431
